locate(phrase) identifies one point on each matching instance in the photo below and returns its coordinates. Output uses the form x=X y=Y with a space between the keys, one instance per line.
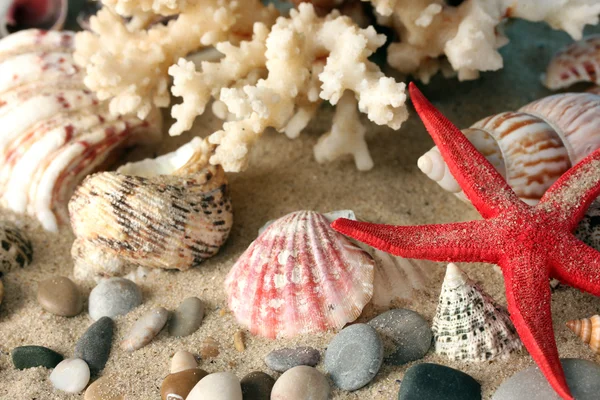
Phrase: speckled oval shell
x=588 y=330
x=578 y=62
x=299 y=276
x=16 y=250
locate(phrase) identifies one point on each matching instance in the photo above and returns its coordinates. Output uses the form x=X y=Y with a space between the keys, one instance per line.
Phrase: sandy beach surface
x=284 y=177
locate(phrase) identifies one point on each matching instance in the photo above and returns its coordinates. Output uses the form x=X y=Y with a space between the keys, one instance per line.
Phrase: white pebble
x=145 y=329
x=183 y=360
x=71 y=375
x=218 y=386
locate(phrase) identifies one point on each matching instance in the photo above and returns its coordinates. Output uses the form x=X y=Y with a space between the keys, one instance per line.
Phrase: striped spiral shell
x=16 y=250
x=588 y=330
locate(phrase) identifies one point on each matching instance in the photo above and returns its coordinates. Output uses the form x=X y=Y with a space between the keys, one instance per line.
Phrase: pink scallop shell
x=578 y=62
x=299 y=276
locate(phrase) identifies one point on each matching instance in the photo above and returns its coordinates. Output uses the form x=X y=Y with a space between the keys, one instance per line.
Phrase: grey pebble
x=94 y=345
x=186 y=319
x=406 y=335
x=283 y=359
x=24 y=357
x=112 y=297
x=354 y=356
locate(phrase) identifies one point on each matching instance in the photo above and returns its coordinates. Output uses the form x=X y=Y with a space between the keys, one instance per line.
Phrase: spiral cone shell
x=299 y=276
x=588 y=329
x=15 y=248
x=578 y=62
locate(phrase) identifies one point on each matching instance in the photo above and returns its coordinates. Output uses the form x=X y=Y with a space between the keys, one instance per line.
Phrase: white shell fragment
x=181 y=361
x=71 y=375
x=468 y=324
x=15 y=248
x=145 y=329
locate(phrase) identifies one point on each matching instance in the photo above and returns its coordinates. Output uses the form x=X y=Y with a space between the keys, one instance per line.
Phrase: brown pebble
x=59 y=295
x=102 y=389
x=238 y=341
x=1 y=291
x=181 y=383
x=222 y=312
x=209 y=348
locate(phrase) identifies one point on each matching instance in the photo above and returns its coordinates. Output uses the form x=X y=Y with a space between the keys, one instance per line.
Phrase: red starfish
x=530 y=243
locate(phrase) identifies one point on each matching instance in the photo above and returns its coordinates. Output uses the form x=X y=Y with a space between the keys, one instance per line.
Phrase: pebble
x=209 y=348
x=354 y=356
x=1 y=291
x=180 y=383
x=406 y=335
x=238 y=341
x=583 y=378
x=217 y=386
x=284 y=359
x=102 y=389
x=257 y=386
x=301 y=383
x=112 y=297
x=59 y=295
x=71 y=375
x=438 y=382
x=187 y=317
x=35 y=356
x=145 y=329
x=94 y=345
x=183 y=360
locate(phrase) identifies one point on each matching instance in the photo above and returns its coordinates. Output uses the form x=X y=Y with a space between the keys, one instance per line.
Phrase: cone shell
x=15 y=248
x=468 y=324
x=588 y=329
x=57 y=131
x=578 y=62
x=299 y=276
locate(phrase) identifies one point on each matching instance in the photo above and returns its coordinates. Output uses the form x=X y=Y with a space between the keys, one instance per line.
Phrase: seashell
x=578 y=62
x=171 y=212
x=531 y=147
x=56 y=130
x=468 y=324
x=16 y=15
x=209 y=348
x=299 y=276
x=15 y=248
x=588 y=329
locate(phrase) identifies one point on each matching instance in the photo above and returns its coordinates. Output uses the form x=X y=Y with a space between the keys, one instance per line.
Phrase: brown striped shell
x=16 y=250
x=578 y=62
x=588 y=330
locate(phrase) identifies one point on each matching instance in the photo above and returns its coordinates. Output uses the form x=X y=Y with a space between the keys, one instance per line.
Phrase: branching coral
x=307 y=59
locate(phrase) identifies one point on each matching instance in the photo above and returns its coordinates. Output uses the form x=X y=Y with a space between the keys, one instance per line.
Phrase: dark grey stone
x=186 y=319
x=283 y=359
x=94 y=345
x=438 y=382
x=35 y=356
x=257 y=386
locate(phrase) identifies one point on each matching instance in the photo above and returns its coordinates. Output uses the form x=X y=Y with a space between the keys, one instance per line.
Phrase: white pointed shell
x=578 y=62
x=15 y=248
x=55 y=130
x=468 y=325
x=299 y=276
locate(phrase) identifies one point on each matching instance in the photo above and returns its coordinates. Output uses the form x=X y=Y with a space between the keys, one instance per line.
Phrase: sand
x=284 y=177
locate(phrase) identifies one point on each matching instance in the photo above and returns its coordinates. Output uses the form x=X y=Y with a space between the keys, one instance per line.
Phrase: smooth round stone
x=406 y=335
x=187 y=317
x=35 y=356
x=59 y=295
x=94 y=345
x=438 y=382
x=283 y=359
x=583 y=378
x=218 y=386
x=71 y=375
x=102 y=389
x=354 y=356
x=257 y=386
x=180 y=384
x=183 y=360
x=301 y=383
x=112 y=297
x=145 y=329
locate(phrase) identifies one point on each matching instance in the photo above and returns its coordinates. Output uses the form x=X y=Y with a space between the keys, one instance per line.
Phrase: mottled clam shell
x=299 y=276
x=468 y=325
x=36 y=40
x=16 y=250
x=588 y=330
x=167 y=221
x=578 y=62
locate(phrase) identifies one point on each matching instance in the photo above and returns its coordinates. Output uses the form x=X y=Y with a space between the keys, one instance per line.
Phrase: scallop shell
x=588 y=329
x=16 y=250
x=468 y=324
x=146 y=215
x=578 y=62
x=299 y=276
x=26 y=14
x=56 y=131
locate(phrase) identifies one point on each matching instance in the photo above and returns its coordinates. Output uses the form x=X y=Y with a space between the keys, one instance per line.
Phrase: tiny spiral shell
x=588 y=329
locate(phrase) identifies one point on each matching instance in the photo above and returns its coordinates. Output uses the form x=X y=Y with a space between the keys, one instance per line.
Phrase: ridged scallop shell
x=299 y=276
x=40 y=14
x=16 y=250
x=127 y=219
x=578 y=62
x=531 y=147
x=55 y=130
x=588 y=330
x=468 y=324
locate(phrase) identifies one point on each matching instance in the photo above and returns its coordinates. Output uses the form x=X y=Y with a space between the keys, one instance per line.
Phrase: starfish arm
x=473 y=241
x=483 y=185
x=577 y=264
x=571 y=195
x=528 y=297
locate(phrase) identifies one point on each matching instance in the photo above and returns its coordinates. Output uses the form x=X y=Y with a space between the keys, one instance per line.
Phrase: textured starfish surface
x=530 y=243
